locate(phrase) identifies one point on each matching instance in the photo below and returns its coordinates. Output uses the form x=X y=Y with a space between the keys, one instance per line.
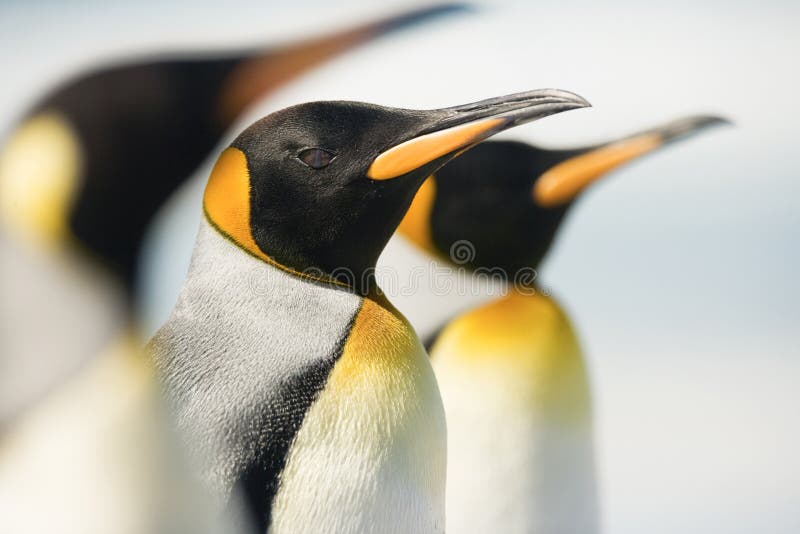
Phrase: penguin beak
x=563 y=182
x=451 y=131
x=266 y=71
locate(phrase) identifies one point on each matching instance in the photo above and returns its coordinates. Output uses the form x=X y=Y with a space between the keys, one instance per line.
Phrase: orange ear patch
x=416 y=225
x=226 y=201
x=564 y=181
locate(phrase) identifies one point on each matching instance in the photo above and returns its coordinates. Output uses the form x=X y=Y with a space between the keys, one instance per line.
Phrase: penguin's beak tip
x=691 y=125
x=579 y=101
x=717 y=120
x=724 y=121
x=427 y=13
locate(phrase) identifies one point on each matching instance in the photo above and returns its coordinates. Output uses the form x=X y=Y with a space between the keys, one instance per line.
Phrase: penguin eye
x=316 y=158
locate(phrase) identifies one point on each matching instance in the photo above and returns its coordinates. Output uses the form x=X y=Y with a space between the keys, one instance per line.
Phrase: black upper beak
x=515 y=109
x=450 y=131
x=685 y=126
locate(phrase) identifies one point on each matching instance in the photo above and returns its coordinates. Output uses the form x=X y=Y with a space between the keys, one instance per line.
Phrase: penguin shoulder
x=520 y=342
x=532 y=320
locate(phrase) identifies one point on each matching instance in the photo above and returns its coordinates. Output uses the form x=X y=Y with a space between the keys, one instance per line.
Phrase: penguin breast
x=376 y=433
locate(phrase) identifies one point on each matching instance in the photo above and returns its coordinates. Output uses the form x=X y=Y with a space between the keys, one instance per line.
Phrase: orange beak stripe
x=566 y=180
x=415 y=153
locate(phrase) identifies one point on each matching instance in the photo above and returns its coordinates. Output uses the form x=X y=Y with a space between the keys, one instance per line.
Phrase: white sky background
x=679 y=271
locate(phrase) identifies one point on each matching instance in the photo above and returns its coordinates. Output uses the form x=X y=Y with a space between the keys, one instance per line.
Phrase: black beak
x=451 y=131
x=686 y=126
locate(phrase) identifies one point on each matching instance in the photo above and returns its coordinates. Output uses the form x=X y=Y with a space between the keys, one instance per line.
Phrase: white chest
x=520 y=455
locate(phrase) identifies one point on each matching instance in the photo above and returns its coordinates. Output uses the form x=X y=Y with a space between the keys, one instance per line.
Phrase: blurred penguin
x=94 y=454
x=511 y=372
x=84 y=443
x=133 y=131
x=93 y=161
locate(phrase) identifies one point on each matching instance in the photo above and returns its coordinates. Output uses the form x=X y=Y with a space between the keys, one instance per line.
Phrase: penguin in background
x=85 y=444
x=293 y=379
x=96 y=453
x=511 y=372
x=80 y=178
x=135 y=130
x=92 y=162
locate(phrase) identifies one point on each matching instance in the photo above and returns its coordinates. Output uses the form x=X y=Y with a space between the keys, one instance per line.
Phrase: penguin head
x=501 y=204
x=250 y=74
x=320 y=187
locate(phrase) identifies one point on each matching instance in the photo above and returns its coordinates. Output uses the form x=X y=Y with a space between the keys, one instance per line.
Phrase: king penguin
x=133 y=131
x=95 y=158
x=93 y=452
x=290 y=374
x=511 y=372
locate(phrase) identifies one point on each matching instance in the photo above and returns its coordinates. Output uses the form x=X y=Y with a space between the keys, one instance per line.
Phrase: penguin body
x=513 y=378
x=292 y=379
x=99 y=455
x=517 y=400
x=316 y=366
x=85 y=444
x=60 y=295
x=48 y=282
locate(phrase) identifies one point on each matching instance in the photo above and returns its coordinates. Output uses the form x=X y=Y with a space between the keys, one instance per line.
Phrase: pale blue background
x=680 y=271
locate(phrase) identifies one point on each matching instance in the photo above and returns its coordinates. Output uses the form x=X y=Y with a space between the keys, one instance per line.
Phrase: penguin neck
x=356 y=278
x=349 y=263
x=515 y=281
x=207 y=250
x=525 y=283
